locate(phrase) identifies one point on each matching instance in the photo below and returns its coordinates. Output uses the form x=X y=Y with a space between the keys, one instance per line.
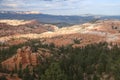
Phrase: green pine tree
x=54 y=72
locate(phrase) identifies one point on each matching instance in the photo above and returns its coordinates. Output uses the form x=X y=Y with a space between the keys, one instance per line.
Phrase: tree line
x=92 y=62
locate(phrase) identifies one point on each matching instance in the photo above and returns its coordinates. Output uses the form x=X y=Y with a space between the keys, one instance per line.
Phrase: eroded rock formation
x=24 y=56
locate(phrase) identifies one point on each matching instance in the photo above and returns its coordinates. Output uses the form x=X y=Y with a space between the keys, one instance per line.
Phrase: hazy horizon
x=63 y=7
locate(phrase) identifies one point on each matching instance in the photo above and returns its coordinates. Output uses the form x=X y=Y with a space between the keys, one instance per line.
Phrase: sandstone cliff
x=24 y=56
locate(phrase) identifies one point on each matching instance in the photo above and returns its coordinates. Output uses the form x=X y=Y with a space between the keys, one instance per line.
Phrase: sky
x=63 y=7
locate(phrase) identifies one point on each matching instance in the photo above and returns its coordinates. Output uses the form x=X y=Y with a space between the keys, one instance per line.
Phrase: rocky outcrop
x=109 y=30
x=15 y=22
x=24 y=56
x=17 y=27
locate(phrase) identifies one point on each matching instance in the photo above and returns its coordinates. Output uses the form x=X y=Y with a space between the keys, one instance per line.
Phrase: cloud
x=63 y=6
x=11 y=5
x=37 y=3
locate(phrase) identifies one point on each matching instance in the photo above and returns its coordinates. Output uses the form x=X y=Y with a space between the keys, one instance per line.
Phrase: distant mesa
x=59 y=20
x=15 y=22
x=20 y=12
x=29 y=12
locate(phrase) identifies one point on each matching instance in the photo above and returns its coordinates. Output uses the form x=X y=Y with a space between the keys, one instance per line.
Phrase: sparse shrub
x=76 y=41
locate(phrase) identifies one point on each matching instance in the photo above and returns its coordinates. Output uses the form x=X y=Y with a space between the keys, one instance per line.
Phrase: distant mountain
x=20 y=12
x=52 y=19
